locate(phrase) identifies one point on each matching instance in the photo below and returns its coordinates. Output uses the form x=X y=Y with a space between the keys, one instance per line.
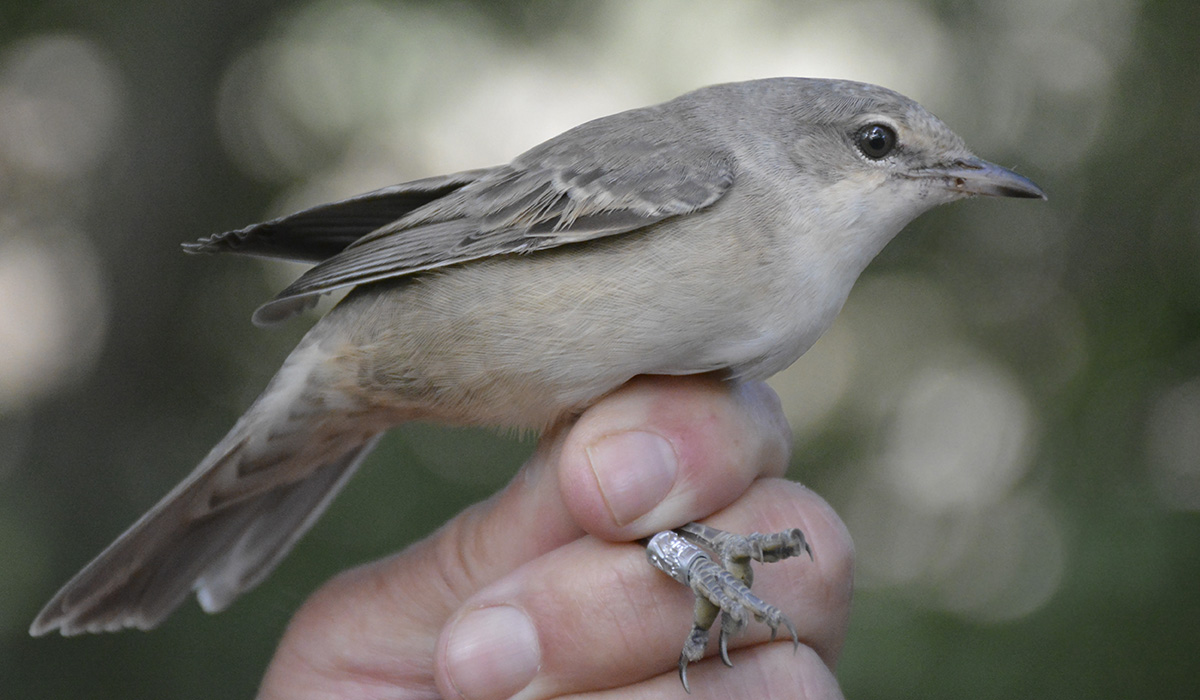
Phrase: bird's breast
x=520 y=340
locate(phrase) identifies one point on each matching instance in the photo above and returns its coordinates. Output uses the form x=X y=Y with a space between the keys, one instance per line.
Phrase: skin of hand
x=535 y=593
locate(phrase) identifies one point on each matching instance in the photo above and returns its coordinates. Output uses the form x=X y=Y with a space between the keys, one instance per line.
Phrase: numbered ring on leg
x=673 y=555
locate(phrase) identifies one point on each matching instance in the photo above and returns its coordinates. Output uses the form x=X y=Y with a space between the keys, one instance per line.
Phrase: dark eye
x=875 y=140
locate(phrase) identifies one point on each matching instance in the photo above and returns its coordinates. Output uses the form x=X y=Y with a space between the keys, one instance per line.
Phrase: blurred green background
x=1007 y=413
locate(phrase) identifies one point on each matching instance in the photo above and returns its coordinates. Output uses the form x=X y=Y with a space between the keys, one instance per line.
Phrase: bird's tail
x=231 y=521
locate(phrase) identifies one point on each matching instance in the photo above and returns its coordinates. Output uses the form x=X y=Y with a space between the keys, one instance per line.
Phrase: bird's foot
x=716 y=565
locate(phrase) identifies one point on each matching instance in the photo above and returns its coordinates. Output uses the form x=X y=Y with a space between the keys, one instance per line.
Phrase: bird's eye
x=875 y=140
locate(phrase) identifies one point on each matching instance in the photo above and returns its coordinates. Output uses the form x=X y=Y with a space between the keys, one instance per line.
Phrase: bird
x=719 y=232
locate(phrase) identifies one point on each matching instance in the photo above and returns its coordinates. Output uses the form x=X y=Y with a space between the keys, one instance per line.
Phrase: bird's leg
x=687 y=555
x=736 y=552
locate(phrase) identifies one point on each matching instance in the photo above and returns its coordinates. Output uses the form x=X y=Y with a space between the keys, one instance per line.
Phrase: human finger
x=594 y=615
x=663 y=451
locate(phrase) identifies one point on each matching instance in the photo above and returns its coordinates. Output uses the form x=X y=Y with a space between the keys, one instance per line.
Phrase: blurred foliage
x=1077 y=321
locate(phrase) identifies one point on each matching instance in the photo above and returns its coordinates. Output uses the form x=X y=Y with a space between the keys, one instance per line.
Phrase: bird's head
x=841 y=129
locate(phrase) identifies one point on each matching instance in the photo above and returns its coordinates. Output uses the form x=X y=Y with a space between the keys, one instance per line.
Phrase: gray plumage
x=721 y=231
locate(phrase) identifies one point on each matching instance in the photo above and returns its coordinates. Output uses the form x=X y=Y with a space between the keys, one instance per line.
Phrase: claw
x=723 y=645
x=792 y=631
x=683 y=662
x=776 y=620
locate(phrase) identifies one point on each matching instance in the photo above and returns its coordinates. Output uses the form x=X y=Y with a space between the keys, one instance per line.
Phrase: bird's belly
x=520 y=341
x=760 y=353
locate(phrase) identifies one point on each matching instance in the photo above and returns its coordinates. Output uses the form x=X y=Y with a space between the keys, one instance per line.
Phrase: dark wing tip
x=227 y=242
x=208 y=244
x=324 y=230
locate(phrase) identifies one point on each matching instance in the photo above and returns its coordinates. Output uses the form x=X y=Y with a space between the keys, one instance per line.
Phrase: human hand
x=536 y=592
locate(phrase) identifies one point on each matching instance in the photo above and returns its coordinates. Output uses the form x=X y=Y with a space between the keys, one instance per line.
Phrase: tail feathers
x=195 y=540
x=283 y=518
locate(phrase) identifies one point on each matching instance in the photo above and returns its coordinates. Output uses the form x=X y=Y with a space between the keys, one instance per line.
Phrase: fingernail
x=635 y=471
x=492 y=653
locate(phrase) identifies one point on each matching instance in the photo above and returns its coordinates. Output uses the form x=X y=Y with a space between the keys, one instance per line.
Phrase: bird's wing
x=323 y=231
x=558 y=193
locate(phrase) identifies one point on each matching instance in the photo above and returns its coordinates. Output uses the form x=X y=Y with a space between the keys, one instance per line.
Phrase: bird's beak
x=976 y=176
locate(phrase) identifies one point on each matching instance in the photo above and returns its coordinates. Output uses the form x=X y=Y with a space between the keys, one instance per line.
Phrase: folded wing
x=600 y=179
